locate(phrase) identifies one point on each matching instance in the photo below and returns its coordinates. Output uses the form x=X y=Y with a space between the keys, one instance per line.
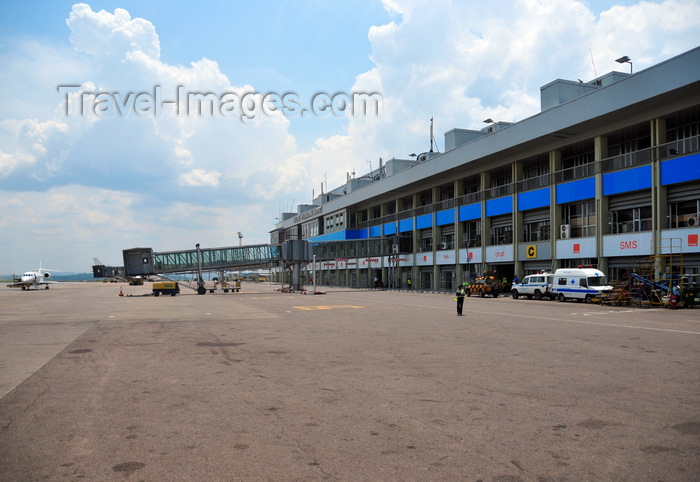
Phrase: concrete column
x=555 y=210
x=602 y=213
x=485 y=221
x=435 y=197
x=517 y=175
x=459 y=234
x=458 y=188
x=659 y=193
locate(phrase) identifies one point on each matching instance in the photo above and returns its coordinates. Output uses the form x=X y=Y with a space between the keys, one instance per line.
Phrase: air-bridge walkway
x=217 y=259
x=145 y=262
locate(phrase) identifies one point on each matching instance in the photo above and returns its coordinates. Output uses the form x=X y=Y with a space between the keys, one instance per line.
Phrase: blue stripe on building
x=538 y=198
x=405 y=225
x=573 y=191
x=627 y=180
x=681 y=169
x=470 y=212
x=424 y=221
x=502 y=205
x=445 y=217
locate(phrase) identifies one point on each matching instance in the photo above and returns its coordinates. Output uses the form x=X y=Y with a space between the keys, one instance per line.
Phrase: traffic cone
x=121 y=293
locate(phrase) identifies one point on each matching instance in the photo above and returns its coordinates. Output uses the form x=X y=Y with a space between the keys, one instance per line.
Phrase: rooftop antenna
x=431 y=134
x=594 y=71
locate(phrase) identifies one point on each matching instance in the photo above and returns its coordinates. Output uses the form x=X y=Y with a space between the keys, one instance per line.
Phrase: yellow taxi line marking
x=270 y=297
x=328 y=307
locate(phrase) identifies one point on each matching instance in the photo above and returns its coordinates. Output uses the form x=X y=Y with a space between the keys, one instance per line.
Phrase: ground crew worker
x=409 y=283
x=460 y=298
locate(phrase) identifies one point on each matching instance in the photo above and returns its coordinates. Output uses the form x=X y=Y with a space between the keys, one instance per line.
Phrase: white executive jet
x=33 y=279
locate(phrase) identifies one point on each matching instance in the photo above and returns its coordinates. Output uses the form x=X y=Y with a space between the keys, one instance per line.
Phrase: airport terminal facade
x=606 y=174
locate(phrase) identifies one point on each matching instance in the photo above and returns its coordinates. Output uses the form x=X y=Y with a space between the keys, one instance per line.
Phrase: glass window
x=684 y=214
x=502 y=235
x=537 y=231
x=472 y=233
x=597 y=281
x=581 y=218
x=630 y=220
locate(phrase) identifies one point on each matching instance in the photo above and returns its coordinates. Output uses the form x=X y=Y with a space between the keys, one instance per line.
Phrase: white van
x=579 y=283
x=535 y=285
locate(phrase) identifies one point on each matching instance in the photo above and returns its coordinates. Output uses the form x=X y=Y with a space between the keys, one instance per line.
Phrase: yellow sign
x=532 y=251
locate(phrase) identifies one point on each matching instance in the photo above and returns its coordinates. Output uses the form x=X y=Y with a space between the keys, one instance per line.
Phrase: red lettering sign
x=628 y=244
x=577 y=248
x=692 y=240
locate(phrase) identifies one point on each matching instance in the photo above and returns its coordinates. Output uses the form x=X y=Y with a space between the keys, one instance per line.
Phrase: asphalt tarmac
x=349 y=385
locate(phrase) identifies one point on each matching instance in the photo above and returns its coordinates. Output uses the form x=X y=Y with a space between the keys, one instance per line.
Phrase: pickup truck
x=536 y=286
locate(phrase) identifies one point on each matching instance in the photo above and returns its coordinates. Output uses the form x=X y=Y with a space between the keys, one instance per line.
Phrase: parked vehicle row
x=567 y=283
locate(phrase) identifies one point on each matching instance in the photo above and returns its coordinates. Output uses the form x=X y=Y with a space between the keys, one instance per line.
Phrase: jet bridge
x=291 y=254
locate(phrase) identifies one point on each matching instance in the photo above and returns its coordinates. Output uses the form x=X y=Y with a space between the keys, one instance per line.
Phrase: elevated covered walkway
x=216 y=259
x=144 y=261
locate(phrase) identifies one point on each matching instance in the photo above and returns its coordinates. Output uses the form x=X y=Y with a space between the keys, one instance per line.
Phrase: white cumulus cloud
x=139 y=177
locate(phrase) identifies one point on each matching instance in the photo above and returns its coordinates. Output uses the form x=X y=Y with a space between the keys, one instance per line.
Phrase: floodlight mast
x=625 y=60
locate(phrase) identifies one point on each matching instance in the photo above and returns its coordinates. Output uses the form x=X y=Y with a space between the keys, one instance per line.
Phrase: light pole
x=466 y=246
x=418 y=156
x=625 y=60
x=240 y=238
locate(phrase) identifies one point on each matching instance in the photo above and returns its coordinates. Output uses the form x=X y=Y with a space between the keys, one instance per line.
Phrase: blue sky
x=77 y=186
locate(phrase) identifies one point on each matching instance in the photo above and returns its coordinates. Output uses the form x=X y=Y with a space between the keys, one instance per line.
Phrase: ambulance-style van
x=579 y=283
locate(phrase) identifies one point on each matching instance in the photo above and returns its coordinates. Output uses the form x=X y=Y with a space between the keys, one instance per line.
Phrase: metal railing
x=613 y=163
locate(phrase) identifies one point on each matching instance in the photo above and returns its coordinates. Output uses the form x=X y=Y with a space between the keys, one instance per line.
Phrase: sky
x=165 y=124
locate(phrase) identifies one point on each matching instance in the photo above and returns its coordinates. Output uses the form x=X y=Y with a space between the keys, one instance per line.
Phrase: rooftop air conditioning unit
x=565 y=231
x=693 y=221
x=443 y=246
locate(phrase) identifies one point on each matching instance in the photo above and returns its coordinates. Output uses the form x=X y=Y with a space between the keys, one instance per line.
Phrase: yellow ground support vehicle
x=166 y=287
x=489 y=284
x=233 y=286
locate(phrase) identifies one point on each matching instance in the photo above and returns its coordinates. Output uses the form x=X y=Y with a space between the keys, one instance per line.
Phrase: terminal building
x=606 y=174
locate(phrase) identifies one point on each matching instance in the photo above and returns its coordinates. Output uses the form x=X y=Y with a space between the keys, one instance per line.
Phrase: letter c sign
x=532 y=251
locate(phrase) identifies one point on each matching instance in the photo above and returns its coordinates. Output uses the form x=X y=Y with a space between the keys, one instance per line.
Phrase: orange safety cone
x=121 y=293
